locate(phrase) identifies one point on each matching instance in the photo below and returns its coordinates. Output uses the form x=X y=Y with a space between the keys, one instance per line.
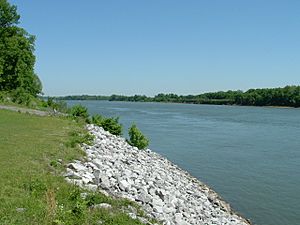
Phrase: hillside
x=34 y=151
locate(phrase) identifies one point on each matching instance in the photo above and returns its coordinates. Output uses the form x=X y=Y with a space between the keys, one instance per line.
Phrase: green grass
x=32 y=189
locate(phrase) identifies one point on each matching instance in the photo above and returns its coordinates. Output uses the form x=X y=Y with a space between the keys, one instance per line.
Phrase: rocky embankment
x=164 y=191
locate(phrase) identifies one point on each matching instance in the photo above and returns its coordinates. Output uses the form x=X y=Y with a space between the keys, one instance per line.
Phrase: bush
x=111 y=125
x=61 y=106
x=4 y=97
x=55 y=104
x=20 y=96
x=137 y=138
x=79 y=111
x=50 y=102
x=97 y=120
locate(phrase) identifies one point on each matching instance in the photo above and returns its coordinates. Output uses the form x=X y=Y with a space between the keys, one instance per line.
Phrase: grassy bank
x=33 y=153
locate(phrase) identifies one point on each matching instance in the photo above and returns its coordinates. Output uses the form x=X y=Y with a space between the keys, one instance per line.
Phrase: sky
x=148 y=47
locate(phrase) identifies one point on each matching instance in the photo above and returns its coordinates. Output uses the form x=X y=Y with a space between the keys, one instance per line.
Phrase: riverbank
x=31 y=111
x=34 y=152
x=164 y=191
x=285 y=96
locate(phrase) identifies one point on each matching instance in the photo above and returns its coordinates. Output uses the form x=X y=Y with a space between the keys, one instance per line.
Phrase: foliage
x=8 y=14
x=35 y=187
x=111 y=124
x=57 y=105
x=137 y=138
x=4 y=96
x=79 y=112
x=78 y=138
x=286 y=96
x=20 y=96
x=83 y=97
x=97 y=120
x=17 y=59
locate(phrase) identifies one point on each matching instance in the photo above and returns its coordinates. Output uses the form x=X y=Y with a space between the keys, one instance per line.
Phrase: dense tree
x=287 y=96
x=16 y=59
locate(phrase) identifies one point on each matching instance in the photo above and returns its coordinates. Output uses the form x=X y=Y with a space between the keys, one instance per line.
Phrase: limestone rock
x=164 y=191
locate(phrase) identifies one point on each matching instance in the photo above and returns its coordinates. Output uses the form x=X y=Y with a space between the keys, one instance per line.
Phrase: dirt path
x=30 y=111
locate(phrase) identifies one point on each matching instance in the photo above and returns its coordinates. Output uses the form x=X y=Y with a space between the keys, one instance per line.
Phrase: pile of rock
x=165 y=192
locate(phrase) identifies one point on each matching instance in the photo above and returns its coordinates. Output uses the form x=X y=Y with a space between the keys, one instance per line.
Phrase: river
x=249 y=155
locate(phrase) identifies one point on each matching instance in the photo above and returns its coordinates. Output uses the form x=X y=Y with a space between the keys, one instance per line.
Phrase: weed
x=94 y=198
x=54 y=163
x=51 y=203
x=77 y=137
x=35 y=187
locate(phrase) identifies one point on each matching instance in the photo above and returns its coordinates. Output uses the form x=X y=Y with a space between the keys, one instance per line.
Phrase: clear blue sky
x=153 y=46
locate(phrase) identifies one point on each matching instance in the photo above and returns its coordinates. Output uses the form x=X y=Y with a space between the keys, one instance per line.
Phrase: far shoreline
x=280 y=97
x=186 y=103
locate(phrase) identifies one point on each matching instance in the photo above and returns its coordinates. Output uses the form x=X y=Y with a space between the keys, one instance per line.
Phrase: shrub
x=4 y=97
x=97 y=120
x=50 y=102
x=55 y=104
x=137 y=138
x=79 y=111
x=20 y=96
x=111 y=125
x=61 y=106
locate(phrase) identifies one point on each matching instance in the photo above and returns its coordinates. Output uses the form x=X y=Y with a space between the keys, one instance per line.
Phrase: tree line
x=288 y=96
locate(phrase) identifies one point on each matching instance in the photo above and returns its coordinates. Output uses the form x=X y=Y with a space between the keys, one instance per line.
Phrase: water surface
x=249 y=155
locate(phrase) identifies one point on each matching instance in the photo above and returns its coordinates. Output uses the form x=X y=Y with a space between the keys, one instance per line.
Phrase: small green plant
x=54 y=163
x=35 y=187
x=74 y=195
x=94 y=199
x=79 y=112
x=97 y=119
x=50 y=102
x=137 y=138
x=79 y=138
x=111 y=124
x=54 y=104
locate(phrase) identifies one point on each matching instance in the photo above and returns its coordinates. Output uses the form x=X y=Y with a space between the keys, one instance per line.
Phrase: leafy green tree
x=286 y=96
x=137 y=138
x=17 y=59
x=8 y=14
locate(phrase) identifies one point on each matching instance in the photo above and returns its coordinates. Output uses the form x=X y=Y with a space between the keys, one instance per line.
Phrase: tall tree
x=16 y=54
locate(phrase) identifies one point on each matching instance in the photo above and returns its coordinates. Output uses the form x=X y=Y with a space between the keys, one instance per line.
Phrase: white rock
x=73 y=175
x=102 y=206
x=124 y=185
x=164 y=191
x=77 y=166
